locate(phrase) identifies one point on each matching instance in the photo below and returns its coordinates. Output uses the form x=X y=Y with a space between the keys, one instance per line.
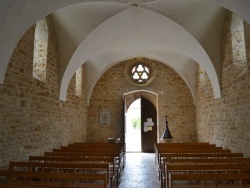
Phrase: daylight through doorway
x=133 y=127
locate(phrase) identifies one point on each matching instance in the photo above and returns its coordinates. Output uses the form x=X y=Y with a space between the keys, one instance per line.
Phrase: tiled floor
x=140 y=171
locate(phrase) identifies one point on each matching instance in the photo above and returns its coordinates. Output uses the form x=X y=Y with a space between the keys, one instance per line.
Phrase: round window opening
x=140 y=73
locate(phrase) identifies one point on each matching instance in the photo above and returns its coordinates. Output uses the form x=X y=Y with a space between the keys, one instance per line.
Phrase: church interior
x=69 y=71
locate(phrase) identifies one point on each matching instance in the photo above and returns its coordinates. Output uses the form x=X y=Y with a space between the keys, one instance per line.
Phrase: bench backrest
x=215 y=161
x=26 y=178
x=200 y=155
x=204 y=177
x=197 y=156
x=190 y=150
x=83 y=154
x=204 y=168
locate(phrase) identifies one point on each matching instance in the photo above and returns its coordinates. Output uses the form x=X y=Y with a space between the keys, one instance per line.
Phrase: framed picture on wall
x=104 y=117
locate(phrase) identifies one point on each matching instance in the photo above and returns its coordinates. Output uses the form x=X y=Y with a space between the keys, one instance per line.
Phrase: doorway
x=147 y=106
x=133 y=127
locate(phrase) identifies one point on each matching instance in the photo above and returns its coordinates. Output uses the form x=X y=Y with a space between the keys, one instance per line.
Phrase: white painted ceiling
x=102 y=33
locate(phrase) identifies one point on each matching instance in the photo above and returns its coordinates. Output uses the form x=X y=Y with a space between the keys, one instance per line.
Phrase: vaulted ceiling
x=102 y=33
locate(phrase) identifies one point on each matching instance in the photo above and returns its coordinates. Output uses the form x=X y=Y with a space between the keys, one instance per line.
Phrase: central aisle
x=140 y=171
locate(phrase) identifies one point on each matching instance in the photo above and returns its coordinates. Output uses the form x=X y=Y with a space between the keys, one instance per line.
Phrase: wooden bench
x=188 y=150
x=158 y=146
x=219 y=155
x=161 y=167
x=95 y=150
x=116 y=156
x=116 y=171
x=38 y=179
x=205 y=161
x=63 y=167
x=91 y=150
x=182 y=143
x=98 y=145
x=179 y=144
x=106 y=145
x=209 y=177
x=206 y=168
x=197 y=156
x=200 y=155
x=122 y=146
x=98 y=148
x=191 y=150
x=76 y=149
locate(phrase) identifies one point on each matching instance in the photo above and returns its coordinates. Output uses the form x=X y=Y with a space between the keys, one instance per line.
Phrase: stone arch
x=130 y=97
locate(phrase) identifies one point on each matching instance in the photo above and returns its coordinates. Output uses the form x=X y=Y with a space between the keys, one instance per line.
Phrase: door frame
x=130 y=97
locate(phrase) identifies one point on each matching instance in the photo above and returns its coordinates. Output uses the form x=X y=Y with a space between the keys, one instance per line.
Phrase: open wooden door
x=148 y=125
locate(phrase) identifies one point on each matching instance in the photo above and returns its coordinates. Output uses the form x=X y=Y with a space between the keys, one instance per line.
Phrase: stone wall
x=32 y=119
x=226 y=121
x=174 y=99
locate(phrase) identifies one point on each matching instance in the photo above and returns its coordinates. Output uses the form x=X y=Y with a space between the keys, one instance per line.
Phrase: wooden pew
x=191 y=150
x=117 y=151
x=97 y=144
x=117 y=156
x=122 y=145
x=197 y=156
x=161 y=167
x=209 y=177
x=37 y=179
x=158 y=146
x=204 y=168
x=78 y=149
x=100 y=147
x=116 y=171
x=205 y=161
x=179 y=144
x=97 y=149
x=182 y=143
x=62 y=167
x=187 y=150
x=200 y=155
